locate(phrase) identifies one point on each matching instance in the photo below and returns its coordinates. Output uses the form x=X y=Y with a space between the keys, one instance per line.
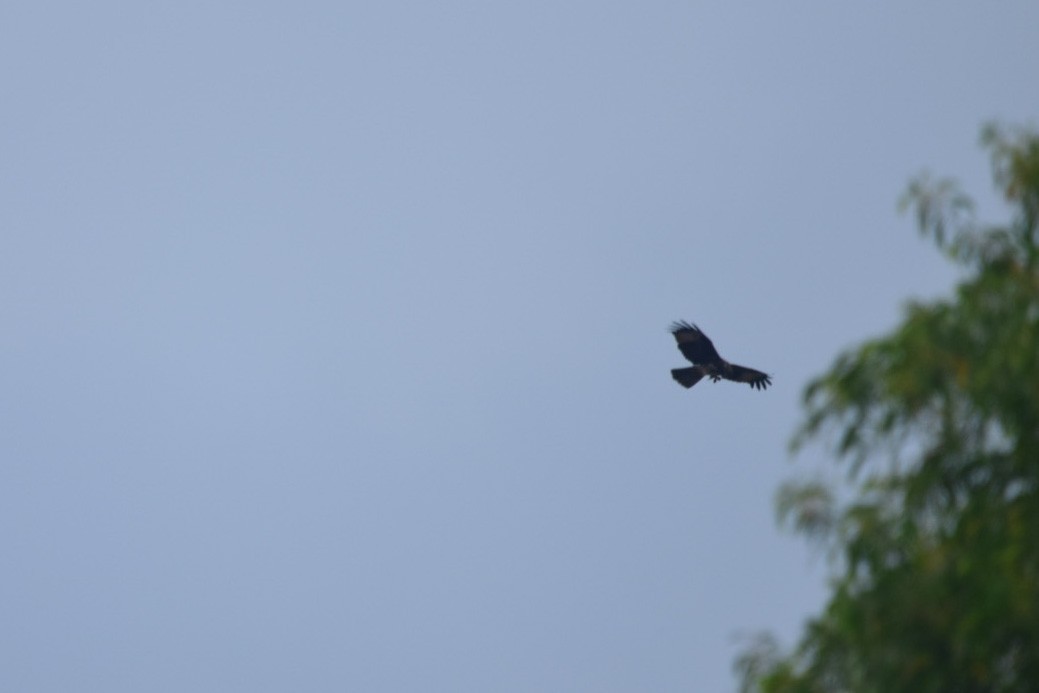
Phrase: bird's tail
x=687 y=377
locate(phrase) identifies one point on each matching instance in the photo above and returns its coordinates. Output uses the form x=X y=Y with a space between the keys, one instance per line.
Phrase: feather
x=687 y=377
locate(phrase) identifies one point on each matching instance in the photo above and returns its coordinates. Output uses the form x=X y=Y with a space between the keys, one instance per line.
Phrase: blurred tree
x=935 y=554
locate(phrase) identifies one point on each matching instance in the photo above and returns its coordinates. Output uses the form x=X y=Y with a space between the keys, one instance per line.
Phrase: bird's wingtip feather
x=679 y=325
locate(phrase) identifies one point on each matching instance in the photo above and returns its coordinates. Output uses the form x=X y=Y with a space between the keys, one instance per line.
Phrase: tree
x=934 y=554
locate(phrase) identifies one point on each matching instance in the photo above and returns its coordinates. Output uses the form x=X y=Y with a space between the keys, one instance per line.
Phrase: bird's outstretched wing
x=742 y=374
x=694 y=344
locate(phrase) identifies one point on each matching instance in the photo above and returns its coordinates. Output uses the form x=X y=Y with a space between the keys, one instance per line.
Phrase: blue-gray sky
x=334 y=334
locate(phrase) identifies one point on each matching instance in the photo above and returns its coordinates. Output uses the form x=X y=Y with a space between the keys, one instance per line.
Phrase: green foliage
x=935 y=558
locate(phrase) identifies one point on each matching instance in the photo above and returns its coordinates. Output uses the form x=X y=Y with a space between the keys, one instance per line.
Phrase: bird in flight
x=697 y=347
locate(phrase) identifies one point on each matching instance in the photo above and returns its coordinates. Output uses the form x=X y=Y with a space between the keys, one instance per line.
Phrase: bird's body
x=698 y=348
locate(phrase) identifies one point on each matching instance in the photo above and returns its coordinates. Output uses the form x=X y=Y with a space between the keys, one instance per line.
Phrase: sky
x=334 y=334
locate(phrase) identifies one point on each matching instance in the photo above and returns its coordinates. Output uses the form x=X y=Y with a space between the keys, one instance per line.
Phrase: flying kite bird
x=696 y=347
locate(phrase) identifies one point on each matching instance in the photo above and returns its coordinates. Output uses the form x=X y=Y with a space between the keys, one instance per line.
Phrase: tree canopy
x=934 y=537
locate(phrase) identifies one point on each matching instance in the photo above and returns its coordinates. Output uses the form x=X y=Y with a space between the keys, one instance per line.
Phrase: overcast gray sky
x=334 y=334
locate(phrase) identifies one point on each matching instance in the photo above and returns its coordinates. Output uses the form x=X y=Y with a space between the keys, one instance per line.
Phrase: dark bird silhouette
x=696 y=347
